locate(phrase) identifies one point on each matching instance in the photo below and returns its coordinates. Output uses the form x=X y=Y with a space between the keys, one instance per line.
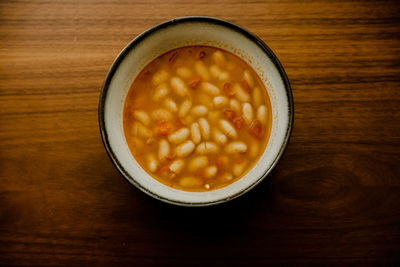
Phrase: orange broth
x=197 y=118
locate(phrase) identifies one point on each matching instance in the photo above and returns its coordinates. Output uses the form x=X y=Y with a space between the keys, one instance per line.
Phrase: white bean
x=179 y=136
x=220 y=101
x=223 y=76
x=209 y=172
x=257 y=97
x=184 y=108
x=238 y=167
x=185 y=149
x=207 y=148
x=152 y=162
x=204 y=128
x=253 y=149
x=160 y=92
x=184 y=72
x=179 y=87
x=247 y=111
x=262 y=114
x=215 y=71
x=199 y=110
x=163 y=149
x=195 y=133
x=235 y=105
x=138 y=129
x=240 y=93
x=248 y=78
x=219 y=58
x=177 y=166
x=210 y=89
x=170 y=105
x=219 y=137
x=150 y=140
x=201 y=69
x=142 y=116
x=159 y=77
x=227 y=128
x=197 y=163
x=236 y=147
x=226 y=176
x=190 y=182
x=187 y=120
x=219 y=74
x=161 y=114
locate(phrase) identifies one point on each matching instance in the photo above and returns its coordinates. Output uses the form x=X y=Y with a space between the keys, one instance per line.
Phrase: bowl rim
x=181 y=20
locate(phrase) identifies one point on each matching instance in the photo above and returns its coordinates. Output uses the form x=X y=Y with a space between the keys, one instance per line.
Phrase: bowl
x=181 y=32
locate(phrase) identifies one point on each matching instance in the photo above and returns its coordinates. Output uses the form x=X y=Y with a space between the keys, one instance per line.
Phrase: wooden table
x=333 y=199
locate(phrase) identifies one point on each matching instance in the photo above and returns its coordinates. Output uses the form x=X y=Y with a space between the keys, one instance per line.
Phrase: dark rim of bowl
x=172 y=22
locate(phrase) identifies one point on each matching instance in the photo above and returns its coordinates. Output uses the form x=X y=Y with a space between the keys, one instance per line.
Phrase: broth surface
x=197 y=118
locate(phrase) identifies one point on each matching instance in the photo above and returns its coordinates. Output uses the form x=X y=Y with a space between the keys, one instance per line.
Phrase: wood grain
x=333 y=199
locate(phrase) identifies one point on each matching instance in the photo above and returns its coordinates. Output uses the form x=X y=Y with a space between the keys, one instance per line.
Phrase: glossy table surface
x=333 y=199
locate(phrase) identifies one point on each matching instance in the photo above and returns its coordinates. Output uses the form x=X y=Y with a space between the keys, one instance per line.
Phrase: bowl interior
x=174 y=34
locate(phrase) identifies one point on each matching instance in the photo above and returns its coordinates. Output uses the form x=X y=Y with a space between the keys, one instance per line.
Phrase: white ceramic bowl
x=183 y=32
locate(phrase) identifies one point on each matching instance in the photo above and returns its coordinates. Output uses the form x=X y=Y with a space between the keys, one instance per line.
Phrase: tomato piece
x=230 y=113
x=238 y=122
x=163 y=170
x=228 y=89
x=256 y=129
x=171 y=156
x=164 y=128
x=173 y=58
x=194 y=82
x=246 y=86
x=202 y=54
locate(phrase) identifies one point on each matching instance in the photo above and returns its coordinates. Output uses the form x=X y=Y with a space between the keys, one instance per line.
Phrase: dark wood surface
x=333 y=199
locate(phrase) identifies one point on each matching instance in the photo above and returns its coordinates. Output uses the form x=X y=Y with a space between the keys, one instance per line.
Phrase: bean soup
x=197 y=118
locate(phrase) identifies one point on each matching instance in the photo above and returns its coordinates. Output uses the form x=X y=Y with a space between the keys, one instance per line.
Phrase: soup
x=197 y=118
